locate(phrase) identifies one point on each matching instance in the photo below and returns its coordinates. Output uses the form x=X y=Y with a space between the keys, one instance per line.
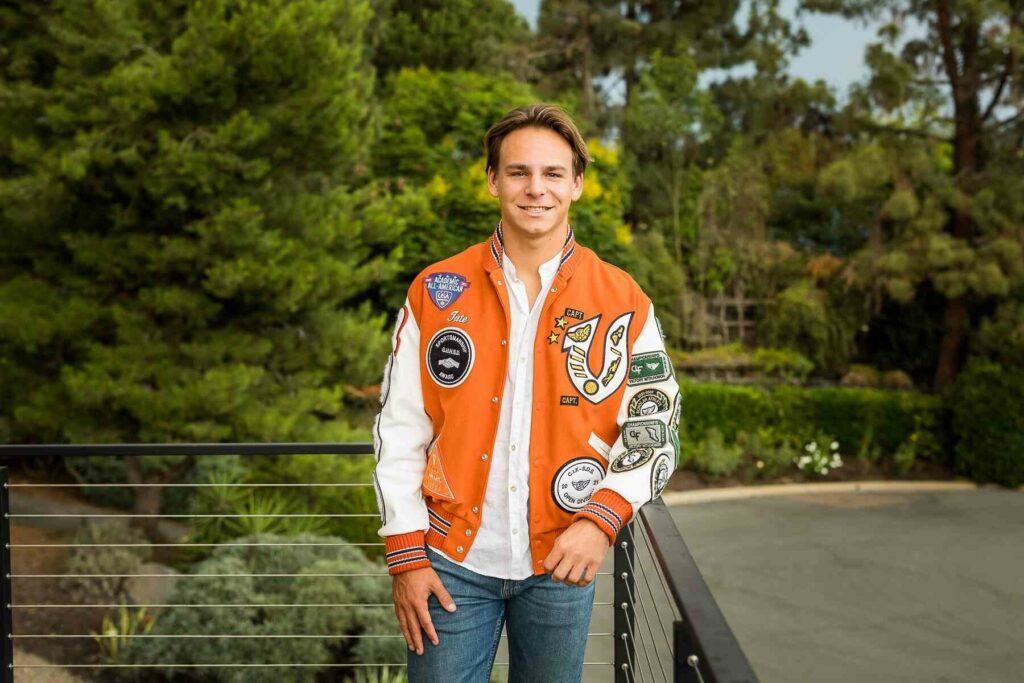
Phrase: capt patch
x=575 y=482
x=660 y=474
x=647 y=368
x=450 y=356
x=648 y=402
x=643 y=433
x=445 y=288
x=631 y=459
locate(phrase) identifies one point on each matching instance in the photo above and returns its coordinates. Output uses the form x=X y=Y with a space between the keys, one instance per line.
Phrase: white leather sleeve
x=401 y=434
x=648 y=438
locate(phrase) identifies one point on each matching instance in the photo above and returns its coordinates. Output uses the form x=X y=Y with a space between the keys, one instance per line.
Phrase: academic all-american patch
x=631 y=459
x=648 y=402
x=575 y=482
x=643 y=433
x=576 y=346
x=450 y=356
x=659 y=474
x=445 y=288
x=647 y=368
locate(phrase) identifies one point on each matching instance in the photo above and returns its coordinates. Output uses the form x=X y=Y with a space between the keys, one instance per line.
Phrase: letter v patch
x=435 y=481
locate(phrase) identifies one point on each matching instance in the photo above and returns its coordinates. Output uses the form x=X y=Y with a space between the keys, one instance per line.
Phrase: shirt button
x=483 y=457
x=469 y=532
x=513 y=488
x=554 y=289
x=504 y=342
x=513 y=446
x=515 y=531
x=476 y=509
x=459 y=549
x=494 y=399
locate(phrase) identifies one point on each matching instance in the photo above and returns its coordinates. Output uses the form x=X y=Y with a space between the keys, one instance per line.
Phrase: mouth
x=535 y=210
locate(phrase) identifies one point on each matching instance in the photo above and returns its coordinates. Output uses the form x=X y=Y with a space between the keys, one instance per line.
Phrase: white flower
x=808 y=448
x=825 y=471
x=760 y=464
x=834 y=445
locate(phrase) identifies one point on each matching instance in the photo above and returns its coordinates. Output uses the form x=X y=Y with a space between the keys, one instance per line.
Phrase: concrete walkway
x=890 y=585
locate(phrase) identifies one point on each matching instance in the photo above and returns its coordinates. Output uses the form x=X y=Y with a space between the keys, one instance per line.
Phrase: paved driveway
x=857 y=587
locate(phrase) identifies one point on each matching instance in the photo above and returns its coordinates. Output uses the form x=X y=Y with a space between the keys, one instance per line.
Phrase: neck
x=528 y=252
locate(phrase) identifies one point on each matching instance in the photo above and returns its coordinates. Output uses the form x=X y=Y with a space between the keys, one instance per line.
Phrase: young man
x=528 y=411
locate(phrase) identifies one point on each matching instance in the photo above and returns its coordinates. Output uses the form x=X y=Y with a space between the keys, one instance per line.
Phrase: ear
x=492 y=182
x=577 y=187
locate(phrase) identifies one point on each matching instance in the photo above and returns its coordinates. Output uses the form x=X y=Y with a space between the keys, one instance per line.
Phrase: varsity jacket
x=606 y=405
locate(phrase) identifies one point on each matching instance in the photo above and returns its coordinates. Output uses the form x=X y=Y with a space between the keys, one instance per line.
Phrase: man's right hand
x=409 y=592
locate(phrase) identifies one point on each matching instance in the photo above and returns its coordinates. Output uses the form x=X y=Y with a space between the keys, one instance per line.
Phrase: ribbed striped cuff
x=404 y=552
x=608 y=510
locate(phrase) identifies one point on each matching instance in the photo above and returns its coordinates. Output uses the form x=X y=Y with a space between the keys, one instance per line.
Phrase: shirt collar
x=547 y=269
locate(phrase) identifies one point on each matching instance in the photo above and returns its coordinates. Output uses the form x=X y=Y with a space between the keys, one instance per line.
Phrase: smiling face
x=534 y=181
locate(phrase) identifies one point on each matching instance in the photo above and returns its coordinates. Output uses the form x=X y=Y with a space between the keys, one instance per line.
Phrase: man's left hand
x=577 y=554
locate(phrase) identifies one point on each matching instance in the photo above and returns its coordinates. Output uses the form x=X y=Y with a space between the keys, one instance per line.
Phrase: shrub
x=987 y=408
x=103 y=560
x=331 y=623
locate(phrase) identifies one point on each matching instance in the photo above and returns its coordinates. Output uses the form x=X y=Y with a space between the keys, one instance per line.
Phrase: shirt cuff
x=404 y=552
x=609 y=511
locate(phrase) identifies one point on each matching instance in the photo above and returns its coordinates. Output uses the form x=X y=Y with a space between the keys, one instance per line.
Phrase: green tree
x=944 y=103
x=187 y=249
x=450 y=35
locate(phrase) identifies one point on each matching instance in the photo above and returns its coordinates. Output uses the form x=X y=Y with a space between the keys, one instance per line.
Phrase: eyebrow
x=524 y=167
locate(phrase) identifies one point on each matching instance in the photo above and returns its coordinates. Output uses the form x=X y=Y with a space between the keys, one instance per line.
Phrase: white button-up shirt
x=502 y=546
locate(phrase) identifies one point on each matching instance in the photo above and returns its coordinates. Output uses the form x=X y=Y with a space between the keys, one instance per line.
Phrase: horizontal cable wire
x=677 y=616
x=632 y=628
x=190 y=576
x=237 y=666
x=647 y=621
x=228 y=604
x=196 y=485
x=180 y=545
x=193 y=516
x=256 y=636
x=643 y=574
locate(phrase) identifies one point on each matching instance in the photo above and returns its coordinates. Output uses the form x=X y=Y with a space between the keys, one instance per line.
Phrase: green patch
x=647 y=368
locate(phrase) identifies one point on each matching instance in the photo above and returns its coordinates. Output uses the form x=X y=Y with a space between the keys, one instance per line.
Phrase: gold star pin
x=560 y=322
x=553 y=337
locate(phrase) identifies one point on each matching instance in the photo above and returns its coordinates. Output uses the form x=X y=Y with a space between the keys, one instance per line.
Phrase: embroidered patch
x=574 y=313
x=648 y=402
x=435 y=481
x=659 y=474
x=574 y=483
x=677 y=410
x=450 y=356
x=647 y=368
x=569 y=401
x=643 y=433
x=445 y=288
x=577 y=342
x=631 y=459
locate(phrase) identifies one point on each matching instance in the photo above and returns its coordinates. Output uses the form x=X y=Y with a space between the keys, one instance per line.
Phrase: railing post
x=6 y=611
x=625 y=617
x=686 y=669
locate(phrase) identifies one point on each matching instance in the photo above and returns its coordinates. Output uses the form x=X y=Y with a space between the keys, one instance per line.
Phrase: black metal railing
x=656 y=608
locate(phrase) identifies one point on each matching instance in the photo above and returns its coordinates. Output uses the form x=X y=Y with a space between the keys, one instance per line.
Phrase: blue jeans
x=547 y=628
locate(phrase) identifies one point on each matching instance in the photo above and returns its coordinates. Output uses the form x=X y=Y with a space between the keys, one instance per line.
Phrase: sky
x=835 y=55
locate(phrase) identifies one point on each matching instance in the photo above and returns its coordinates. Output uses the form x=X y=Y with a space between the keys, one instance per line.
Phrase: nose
x=536 y=186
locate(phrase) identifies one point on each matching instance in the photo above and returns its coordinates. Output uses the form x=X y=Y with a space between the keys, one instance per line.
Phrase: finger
x=552 y=560
x=443 y=597
x=405 y=629
x=562 y=570
x=414 y=629
x=426 y=622
x=591 y=573
x=577 y=574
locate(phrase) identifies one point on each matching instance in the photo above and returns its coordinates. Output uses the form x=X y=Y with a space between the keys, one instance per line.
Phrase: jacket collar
x=495 y=249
